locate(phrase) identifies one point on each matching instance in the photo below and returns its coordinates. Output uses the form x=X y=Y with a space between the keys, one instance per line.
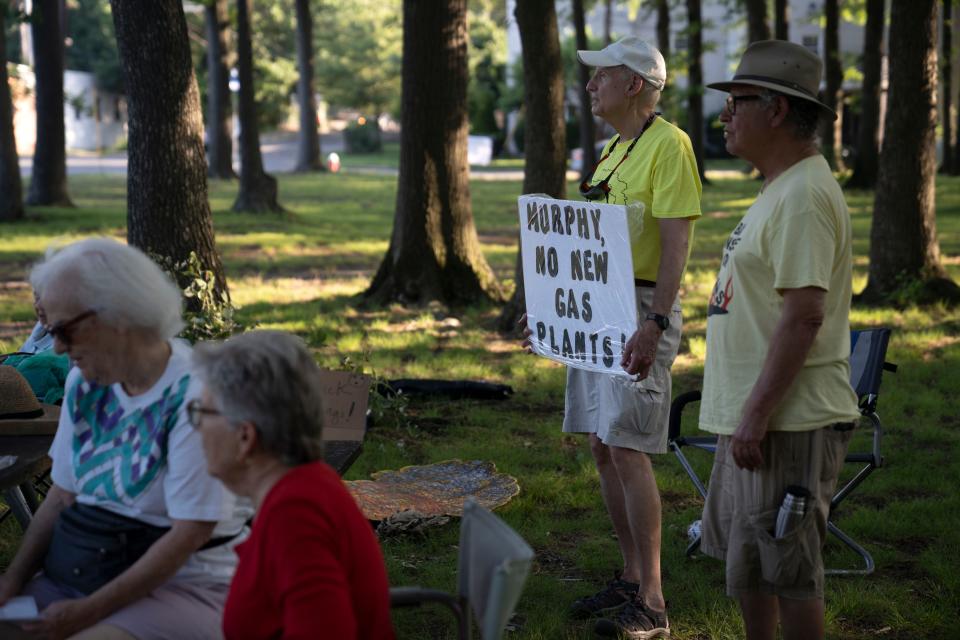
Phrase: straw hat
x=20 y=412
x=782 y=66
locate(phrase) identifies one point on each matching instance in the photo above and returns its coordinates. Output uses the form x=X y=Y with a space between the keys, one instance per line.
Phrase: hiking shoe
x=635 y=621
x=615 y=596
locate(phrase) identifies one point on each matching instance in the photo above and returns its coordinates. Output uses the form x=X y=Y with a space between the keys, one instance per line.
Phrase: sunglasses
x=732 y=101
x=196 y=411
x=63 y=330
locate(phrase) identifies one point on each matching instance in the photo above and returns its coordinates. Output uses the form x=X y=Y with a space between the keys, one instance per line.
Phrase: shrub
x=208 y=313
x=363 y=138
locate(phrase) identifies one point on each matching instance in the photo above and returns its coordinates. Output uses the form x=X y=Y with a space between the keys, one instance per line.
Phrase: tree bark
x=545 y=165
x=695 y=122
x=757 y=26
x=167 y=209
x=946 y=119
x=781 y=19
x=588 y=132
x=866 y=159
x=48 y=181
x=434 y=251
x=258 y=189
x=219 y=113
x=607 y=22
x=11 y=189
x=308 y=142
x=830 y=131
x=904 y=252
x=663 y=29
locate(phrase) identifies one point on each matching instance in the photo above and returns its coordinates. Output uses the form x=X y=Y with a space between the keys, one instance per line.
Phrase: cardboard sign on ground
x=345 y=395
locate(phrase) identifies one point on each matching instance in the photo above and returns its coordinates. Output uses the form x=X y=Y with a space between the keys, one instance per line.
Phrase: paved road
x=279 y=156
x=278 y=150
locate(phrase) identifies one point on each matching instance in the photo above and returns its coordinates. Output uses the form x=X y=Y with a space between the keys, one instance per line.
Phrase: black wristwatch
x=661 y=321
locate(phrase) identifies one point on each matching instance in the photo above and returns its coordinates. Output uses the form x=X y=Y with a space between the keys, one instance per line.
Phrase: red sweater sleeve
x=307 y=579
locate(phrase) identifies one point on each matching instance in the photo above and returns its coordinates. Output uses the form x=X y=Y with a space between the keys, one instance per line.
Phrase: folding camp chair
x=868 y=350
x=493 y=566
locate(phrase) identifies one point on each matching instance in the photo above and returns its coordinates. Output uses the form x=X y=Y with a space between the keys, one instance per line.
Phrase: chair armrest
x=676 y=411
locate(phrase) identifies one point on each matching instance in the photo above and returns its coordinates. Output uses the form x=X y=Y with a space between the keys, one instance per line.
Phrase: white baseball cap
x=639 y=55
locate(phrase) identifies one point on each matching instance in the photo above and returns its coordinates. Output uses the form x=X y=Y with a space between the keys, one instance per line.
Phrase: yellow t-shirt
x=661 y=172
x=797 y=234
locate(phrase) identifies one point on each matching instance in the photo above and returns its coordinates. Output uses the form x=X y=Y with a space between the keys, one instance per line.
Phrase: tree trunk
x=11 y=189
x=868 y=133
x=695 y=122
x=607 y=22
x=258 y=189
x=588 y=133
x=48 y=181
x=434 y=251
x=167 y=209
x=545 y=167
x=308 y=142
x=663 y=29
x=830 y=130
x=904 y=252
x=668 y=103
x=219 y=113
x=781 y=19
x=757 y=26
x=946 y=118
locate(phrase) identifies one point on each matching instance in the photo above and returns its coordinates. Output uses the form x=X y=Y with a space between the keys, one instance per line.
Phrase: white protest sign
x=578 y=279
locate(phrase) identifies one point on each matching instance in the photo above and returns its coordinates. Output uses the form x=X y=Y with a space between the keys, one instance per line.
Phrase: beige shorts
x=742 y=506
x=176 y=609
x=622 y=412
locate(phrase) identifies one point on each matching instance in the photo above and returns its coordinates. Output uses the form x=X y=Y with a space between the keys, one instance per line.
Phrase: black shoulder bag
x=91 y=546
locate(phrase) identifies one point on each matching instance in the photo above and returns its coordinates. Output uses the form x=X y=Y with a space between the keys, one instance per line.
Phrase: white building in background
x=94 y=120
x=724 y=37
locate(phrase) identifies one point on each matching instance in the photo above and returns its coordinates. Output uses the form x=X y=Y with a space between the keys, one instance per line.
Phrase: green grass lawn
x=302 y=272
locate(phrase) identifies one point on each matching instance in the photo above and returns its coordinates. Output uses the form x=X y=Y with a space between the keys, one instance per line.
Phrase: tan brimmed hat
x=782 y=66
x=20 y=412
x=632 y=52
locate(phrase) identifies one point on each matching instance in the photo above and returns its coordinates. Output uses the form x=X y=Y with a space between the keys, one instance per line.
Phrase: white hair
x=270 y=379
x=649 y=95
x=119 y=282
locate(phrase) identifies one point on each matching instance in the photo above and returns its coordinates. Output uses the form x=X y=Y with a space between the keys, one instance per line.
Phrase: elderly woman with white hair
x=134 y=539
x=311 y=567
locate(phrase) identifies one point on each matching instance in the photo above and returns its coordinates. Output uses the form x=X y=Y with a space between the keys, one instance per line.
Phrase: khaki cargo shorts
x=741 y=511
x=623 y=412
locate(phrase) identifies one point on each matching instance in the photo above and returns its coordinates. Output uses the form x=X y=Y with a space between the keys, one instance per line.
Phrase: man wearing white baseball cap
x=775 y=382
x=650 y=161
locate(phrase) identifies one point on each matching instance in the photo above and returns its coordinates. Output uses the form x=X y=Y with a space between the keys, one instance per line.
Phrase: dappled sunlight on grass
x=304 y=271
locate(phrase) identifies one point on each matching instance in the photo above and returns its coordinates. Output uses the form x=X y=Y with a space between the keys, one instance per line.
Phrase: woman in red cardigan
x=311 y=567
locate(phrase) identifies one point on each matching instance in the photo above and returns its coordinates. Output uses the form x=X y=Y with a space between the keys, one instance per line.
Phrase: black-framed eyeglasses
x=63 y=330
x=732 y=101
x=196 y=411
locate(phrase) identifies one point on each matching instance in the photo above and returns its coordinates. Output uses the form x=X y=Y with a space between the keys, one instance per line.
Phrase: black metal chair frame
x=866 y=383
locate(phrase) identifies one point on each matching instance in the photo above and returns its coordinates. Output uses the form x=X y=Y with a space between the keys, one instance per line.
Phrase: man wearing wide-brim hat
x=775 y=384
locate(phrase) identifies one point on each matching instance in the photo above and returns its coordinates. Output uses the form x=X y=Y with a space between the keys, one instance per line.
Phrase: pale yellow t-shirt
x=661 y=172
x=797 y=234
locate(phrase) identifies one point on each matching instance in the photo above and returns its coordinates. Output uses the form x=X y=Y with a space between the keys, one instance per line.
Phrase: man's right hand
x=526 y=343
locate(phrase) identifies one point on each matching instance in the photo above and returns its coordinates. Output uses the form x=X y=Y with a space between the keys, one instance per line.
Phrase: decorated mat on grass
x=437 y=489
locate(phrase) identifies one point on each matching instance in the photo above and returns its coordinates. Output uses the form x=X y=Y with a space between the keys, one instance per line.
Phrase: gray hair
x=270 y=379
x=124 y=286
x=649 y=95
x=804 y=116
